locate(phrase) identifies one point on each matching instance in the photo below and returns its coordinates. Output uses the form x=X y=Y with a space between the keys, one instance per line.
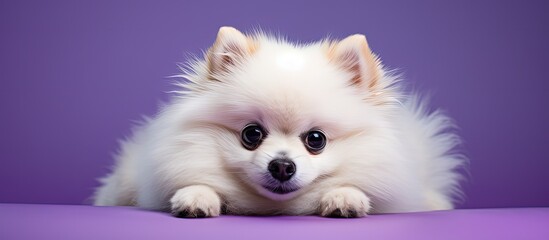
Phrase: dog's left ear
x=354 y=56
x=229 y=50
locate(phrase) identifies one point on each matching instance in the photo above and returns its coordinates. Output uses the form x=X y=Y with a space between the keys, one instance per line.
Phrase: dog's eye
x=315 y=141
x=251 y=136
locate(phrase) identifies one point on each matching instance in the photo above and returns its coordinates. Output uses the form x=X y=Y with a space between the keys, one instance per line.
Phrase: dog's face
x=292 y=114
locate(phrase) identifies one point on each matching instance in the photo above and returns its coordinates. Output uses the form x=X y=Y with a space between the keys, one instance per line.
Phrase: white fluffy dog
x=263 y=127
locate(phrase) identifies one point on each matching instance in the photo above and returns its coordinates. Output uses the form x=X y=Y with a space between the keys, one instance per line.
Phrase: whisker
x=299 y=156
x=267 y=154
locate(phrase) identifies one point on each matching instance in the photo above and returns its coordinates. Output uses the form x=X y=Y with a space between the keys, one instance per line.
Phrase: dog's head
x=291 y=114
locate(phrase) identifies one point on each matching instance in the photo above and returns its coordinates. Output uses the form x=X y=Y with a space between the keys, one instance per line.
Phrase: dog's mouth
x=280 y=189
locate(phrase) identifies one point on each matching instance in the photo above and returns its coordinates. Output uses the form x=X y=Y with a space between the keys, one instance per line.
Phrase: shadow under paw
x=186 y=213
x=338 y=213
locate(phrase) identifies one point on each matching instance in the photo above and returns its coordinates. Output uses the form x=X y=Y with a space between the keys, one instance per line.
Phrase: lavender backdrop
x=75 y=74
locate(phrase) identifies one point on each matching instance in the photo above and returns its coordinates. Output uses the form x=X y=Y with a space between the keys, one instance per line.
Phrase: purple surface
x=74 y=74
x=22 y=221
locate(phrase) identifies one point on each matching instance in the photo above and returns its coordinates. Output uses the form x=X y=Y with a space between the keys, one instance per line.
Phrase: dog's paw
x=197 y=201
x=344 y=202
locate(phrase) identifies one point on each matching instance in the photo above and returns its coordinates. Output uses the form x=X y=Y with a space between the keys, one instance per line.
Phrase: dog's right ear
x=354 y=55
x=229 y=50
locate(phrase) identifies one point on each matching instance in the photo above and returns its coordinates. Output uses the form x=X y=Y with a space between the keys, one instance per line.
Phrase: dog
x=263 y=126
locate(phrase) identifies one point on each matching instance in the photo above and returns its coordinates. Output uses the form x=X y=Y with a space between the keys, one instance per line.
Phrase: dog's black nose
x=282 y=169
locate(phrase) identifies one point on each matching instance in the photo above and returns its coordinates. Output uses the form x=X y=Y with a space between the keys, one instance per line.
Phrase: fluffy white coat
x=384 y=153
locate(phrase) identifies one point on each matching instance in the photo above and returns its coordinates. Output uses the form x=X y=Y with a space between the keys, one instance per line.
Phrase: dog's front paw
x=344 y=202
x=197 y=201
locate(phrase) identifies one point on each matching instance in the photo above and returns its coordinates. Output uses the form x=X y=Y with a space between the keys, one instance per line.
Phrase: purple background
x=74 y=75
x=29 y=221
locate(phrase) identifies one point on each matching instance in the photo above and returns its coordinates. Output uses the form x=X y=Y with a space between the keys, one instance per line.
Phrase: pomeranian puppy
x=262 y=126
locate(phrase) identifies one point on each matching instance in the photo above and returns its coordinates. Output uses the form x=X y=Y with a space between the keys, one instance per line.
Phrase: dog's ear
x=229 y=50
x=354 y=56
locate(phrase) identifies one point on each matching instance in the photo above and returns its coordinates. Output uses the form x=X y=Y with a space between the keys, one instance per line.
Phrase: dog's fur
x=385 y=152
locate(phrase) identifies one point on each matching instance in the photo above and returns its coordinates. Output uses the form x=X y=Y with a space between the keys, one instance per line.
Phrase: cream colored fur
x=385 y=152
